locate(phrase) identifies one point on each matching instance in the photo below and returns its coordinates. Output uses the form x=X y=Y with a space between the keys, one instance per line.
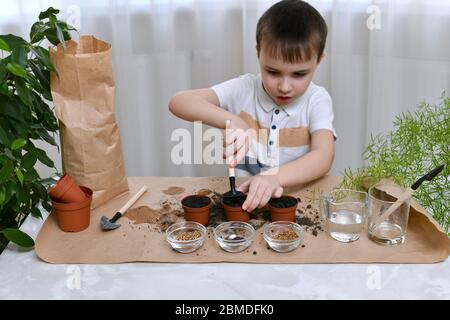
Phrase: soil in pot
x=233 y=209
x=283 y=208
x=196 y=208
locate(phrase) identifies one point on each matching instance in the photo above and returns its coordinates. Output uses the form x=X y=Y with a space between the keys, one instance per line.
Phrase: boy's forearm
x=191 y=107
x=311 y=166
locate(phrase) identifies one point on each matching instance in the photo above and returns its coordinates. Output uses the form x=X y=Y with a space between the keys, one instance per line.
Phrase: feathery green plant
x=419 y=142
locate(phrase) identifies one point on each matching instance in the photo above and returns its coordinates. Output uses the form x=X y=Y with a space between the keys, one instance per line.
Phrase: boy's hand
x=260 y=189
x=236 y=141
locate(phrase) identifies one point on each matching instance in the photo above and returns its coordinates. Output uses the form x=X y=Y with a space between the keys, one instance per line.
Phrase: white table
x=24 y=276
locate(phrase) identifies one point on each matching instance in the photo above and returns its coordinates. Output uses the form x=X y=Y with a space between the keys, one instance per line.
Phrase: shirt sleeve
x=230 y=92
x=321 y=112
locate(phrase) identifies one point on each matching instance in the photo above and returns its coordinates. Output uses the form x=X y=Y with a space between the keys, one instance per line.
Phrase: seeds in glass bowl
x=188 y=235
x=286 y=235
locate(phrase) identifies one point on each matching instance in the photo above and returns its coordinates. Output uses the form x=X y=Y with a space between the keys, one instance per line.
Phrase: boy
x=292 y=115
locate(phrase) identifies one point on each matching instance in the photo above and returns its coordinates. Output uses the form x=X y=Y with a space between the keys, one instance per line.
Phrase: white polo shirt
x=283 y=132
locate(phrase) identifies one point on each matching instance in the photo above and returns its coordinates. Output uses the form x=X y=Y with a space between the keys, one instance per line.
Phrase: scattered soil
x=143 y=214
x=283 y=202
x=196 y=201
x=173 y=190
x=310 y=219
x=304 y=221
x=234 y=202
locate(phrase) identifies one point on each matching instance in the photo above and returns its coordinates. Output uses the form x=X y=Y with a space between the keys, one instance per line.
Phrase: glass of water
x=392 y=230
x=345 y=212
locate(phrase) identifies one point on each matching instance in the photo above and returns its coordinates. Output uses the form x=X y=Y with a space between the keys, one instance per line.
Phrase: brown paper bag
x=84 y=96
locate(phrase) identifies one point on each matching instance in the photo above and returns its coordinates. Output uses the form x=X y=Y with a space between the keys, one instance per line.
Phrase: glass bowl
x=186 y=236
x=283 y=236
x=234 y=236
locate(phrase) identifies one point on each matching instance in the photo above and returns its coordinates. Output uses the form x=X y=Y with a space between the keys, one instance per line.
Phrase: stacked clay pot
x=71 y=204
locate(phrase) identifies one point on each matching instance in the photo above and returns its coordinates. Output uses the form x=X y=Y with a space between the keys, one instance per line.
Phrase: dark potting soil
x=283 y=202
x=196 y=201
x=234 y=202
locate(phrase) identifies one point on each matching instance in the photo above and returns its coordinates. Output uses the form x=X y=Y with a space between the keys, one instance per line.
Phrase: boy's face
x=283 y=81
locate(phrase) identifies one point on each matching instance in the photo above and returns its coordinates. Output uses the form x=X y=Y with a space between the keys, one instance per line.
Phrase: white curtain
x=382 y=58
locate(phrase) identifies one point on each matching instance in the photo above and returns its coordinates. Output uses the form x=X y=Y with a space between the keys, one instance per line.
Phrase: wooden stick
x=403 y=197
x=130 y=202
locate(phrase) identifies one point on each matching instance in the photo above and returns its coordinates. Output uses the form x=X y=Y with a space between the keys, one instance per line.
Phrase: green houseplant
x=26 y=116
x=419 y=142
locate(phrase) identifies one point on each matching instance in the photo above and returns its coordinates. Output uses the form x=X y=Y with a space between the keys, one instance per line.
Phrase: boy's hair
x=292 y=30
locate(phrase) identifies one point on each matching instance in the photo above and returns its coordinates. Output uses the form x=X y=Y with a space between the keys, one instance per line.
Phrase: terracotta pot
x=283 y=214
x=235 y=213
x=192 y=212
x=66 y=191
x=74 y=216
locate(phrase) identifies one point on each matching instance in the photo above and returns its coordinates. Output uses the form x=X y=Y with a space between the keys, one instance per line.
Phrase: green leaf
x=47 y=13
x=60 y=35
x=18 y=237
x=2 y=195
x=37 y=31
x=2 y=72
x=42 y=156
x=19 y=175
x=6 y=170
x=11 y=189
x=31 y=79
x=42 y=75
x=39 y=190
x=13 y=41
x=4 y=46
x=46 y=206
x=19 y=55
x=4 y=137
x=23 y=92
x=31 y=175
x=16 y=69
x=52 y=36
x=35 y=212
x=18 y=143
x=4 y=90
x=44 y=135
x=29 y=159
x=43 y=57
x=11 y=109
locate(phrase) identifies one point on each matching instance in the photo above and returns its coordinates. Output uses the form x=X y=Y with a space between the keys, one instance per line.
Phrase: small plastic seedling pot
x=283 y=208
x=196 y=208
x=233 y=209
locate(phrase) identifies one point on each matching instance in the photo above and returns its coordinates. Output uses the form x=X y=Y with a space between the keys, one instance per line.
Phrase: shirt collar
x=266 y=102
